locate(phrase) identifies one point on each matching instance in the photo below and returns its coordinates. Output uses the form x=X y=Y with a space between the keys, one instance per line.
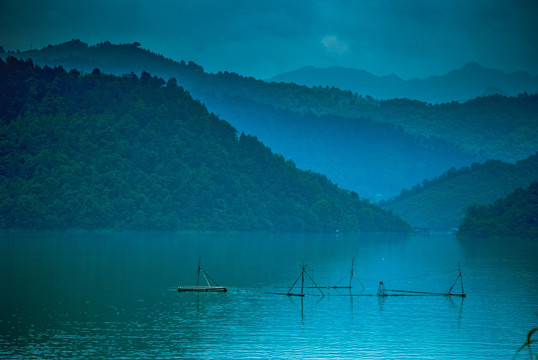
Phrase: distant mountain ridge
x=468 y=82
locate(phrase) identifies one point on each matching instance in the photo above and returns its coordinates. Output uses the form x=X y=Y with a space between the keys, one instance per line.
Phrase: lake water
x=113 y=296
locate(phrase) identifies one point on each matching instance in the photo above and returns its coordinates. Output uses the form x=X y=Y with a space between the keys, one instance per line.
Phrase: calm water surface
x=113 y=296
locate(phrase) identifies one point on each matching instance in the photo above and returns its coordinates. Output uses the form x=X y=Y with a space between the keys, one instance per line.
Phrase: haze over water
x=113 y=295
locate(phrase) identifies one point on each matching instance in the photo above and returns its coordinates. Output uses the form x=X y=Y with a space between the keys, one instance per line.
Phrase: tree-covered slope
x=101 y=151
x=441 y=203
x=489 y=127
x=492 y=127
x=514 y=215
x=375 y=159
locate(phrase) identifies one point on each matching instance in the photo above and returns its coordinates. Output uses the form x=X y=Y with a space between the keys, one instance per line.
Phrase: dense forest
x=91 y=150
x=449 y=195
x=516 y=215
x=430 y=138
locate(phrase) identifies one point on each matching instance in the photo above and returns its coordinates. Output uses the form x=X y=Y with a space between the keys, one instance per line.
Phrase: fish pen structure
x=302 y=277
x=381 y=292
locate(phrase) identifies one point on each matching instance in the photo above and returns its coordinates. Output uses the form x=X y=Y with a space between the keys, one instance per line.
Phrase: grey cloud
x=260 y=38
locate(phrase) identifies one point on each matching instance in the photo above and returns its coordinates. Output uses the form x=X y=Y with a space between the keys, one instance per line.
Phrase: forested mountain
x=469 y=82
x=373 y=147
x=441 y=203
x=516 y=215
x=136 y=152
x=372 y=158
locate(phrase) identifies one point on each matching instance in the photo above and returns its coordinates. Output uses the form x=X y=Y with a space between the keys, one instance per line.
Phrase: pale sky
x=411 y=38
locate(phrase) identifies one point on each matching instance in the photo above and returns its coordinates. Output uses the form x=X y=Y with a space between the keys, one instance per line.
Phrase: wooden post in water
x=289 y=293
x=302 y=278
x=316 y=285
x=461 y=279
x=455 y=281
x=199 y=267
x=351 y=276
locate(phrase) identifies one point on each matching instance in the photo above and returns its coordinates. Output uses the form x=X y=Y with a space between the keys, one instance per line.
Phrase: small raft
x=202 y=289
x=198 y=288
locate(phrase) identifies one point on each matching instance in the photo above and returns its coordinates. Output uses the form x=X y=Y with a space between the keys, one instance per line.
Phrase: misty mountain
x=102 y=151
x=441 y=203
x=372 y=158
x=469 y=82
x=373 y=147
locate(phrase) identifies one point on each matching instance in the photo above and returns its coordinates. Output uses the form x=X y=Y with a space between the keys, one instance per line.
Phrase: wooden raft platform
x=202 y=289
x=198 y=288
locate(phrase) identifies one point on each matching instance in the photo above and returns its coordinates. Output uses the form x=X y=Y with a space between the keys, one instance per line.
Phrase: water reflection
x=381 y=301
x=107 y=295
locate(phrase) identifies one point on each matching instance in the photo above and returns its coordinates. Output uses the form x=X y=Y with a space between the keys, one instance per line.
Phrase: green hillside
x=480 y=126
x=135 y=152
x=441 y=203
x=432 y=138
x=515 y=215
